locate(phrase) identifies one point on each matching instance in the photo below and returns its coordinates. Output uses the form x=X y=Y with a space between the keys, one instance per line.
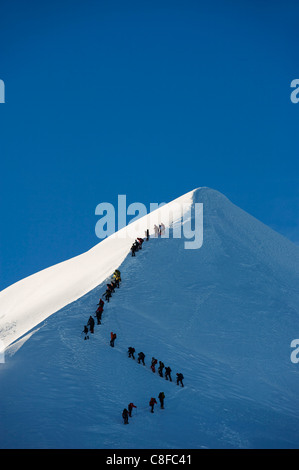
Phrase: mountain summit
x=224 y=315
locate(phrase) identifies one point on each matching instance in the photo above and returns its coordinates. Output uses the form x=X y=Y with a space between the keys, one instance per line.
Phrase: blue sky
x=145 y=98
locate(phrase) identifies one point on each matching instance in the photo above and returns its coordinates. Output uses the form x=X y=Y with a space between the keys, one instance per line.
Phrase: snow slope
x=29 y=301
x=224 y=315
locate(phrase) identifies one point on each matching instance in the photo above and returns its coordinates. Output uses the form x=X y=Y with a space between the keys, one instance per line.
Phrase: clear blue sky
x=145 y=98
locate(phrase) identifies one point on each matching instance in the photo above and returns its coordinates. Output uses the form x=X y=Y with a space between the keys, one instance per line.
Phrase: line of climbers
x=137 y=245
x=141 y=357
x=127 y=412
x=116 y=279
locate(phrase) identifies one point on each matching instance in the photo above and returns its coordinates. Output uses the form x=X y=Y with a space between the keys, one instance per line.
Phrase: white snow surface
x=224 y=315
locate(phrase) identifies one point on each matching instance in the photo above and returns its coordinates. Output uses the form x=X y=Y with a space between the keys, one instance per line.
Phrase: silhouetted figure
x=85 y=331
x=131 y=352
x=167 y=373
x=141 y=357
x=133 y=249
x=160 y=368
x=125 y=415
x=179 y=379
x=161 y=397
x=90 y=323
x=107 y=295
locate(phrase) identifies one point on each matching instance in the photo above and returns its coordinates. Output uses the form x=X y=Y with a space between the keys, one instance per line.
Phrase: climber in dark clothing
x=167 y=373
x=131 y=352
x=161 y=397
x=90 y=323
x=85 y=331
x=133 y=249
x=141 y=357
x=179 y=379
x=110 y=287
x=107 y=295
x=125 y=415
x=113 y=285
x=101 y=303
x=160 y=368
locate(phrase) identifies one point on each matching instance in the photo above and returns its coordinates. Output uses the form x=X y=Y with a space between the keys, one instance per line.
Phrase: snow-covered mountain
x=224 y=315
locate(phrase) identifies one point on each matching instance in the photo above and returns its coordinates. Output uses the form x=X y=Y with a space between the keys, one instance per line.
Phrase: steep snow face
x=224 y=315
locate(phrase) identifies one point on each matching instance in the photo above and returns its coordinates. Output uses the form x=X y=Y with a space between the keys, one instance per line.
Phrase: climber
x=99 y=309
x=90 y=323
x=98 y=314
x=141 y=357
x=161 y=397
x=101 y=303
x=160 y=368
x=147 y=235
x=153 y=363
x=133 y=249
x=130 y=408
x=167 y=373
x=180 y=379
x=131 y=352
x=152 y=404
x=85 y=331
x=113 y=338
x=116 y=275
x=110 y=287
x=156 y=230
x=125 y=416
x=107 y=295
x=140 y=241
